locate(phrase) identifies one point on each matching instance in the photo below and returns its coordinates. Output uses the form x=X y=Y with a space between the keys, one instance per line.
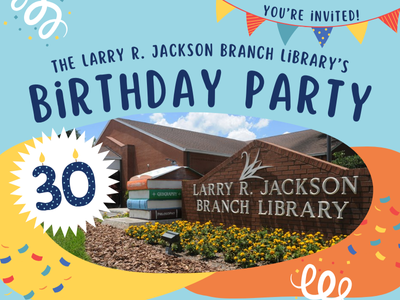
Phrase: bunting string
x=322 y=33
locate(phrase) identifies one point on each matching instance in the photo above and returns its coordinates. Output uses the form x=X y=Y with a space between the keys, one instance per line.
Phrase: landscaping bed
x=203 y=247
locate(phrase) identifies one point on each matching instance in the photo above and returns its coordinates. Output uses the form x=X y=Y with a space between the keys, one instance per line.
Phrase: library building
x=282 y=181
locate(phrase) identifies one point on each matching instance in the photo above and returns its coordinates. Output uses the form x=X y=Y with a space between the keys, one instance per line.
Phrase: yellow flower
x=243 y=260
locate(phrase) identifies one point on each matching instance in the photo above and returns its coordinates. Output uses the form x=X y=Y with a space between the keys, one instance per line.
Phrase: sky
x=231 y=126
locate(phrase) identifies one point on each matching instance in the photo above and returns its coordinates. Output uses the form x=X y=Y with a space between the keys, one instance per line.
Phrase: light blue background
x=102 y=25
x=94 y=27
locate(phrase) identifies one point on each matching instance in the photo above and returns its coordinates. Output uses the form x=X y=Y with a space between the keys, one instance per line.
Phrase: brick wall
x=284 y=164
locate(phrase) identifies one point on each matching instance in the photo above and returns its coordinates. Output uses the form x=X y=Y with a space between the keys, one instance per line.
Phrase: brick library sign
x=265 y=185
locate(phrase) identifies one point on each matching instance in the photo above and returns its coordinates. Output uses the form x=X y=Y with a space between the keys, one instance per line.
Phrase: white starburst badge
x=64 y=182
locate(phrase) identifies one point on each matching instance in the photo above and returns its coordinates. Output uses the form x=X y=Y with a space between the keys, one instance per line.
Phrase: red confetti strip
x=364 y=222
x=43 y=288
x=36 y=257
x=5 y=246
x=8 y=280
x=68 y=278
x=398 y=264
x=393 y=211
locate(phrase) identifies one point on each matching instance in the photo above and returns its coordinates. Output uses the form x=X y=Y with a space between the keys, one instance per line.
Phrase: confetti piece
x=5 y=23
x=380 y=229
x=398 y=264
x=57 y=37
x=385 y=200
x=5 y=246
x=348 y=262
x=393 y=211
x=58 y=289
x=23 y=249
x=297 y=271
x=46 y=271
x=68 y=278
x=375 y=243
x=43 y=288
x=320 y=259
x=5 y=260
x=64 y=262
x=358 y=234
x=30 y=295
x=364 y=222
x=69 y=12
x=36 y=257
x=341 y=271
x=8 y=294
x=8 y=279
x=397 y=227
x=351 y=250
x=377 y=209
x=380 y=256
x=30 y=38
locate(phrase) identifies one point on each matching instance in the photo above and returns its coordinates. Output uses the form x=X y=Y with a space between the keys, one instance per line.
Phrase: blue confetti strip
x=46 y=271
x=58 y=289
x=30 y=295
x=397 y=227
x=5 y=260
x=23 y=249
x=375 y=243
x=351 y=250
x=385 y=200
x=64 y=262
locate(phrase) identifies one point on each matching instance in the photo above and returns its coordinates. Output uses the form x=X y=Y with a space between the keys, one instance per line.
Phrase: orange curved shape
x=364 y=272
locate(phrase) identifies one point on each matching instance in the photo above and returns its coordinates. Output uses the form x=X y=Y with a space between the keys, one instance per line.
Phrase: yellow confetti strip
x=380 y=229
x=380 y=256
x=5 y=23
x=56 y=37
x=69 y=12
x=30 y=38
x=358 y=234
x=320 y=259
x=297 y=271
x=377 y=209
x=348 y=262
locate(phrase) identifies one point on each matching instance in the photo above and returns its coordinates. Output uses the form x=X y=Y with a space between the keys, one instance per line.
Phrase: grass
x=71 y=243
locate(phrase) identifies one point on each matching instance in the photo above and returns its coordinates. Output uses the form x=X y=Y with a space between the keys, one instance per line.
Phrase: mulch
x=111 y=247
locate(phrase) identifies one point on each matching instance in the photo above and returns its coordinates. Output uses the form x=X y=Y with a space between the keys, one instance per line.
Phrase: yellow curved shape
x=380 y=256
x=380 y=229
x=377 y=209
x=86 y=277
x=358 y=234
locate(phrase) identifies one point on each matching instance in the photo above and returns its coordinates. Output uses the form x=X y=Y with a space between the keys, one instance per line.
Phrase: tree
x=351 y=161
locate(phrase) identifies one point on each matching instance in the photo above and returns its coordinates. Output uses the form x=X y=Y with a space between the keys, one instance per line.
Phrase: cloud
x=286 y=132
x=262 y=123
x=242 y=135
x=231 y=126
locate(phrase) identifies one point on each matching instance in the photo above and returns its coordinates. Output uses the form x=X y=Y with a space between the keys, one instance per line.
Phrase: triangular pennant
x=391 y=19
x=286 y=31
x=223 y=9
x=253 y=22
x=358 y=30
x=322 y=34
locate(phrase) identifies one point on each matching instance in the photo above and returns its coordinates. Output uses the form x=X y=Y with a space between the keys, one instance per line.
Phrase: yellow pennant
x=358 y=30
x=223 y=9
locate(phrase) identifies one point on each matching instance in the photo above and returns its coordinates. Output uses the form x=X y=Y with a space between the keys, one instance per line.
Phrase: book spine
x=140 y=184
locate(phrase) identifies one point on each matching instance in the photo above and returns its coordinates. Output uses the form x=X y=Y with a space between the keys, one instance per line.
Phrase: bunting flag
x=391 y=19
x=322 y=34
x=223 y=9
x=253 y=22
x=358 y=30
x=286 y=31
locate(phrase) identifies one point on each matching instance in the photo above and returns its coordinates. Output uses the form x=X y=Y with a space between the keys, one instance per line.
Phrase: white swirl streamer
x=321 y=294
x=43 y=4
